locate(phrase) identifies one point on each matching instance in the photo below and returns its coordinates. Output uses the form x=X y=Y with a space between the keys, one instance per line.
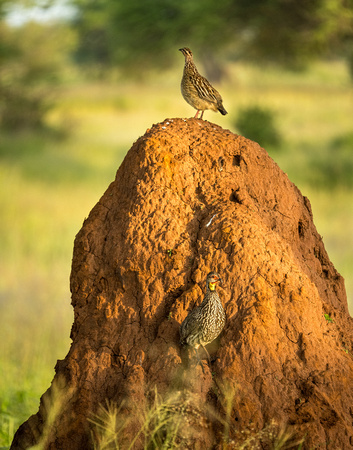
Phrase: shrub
x=258 y=124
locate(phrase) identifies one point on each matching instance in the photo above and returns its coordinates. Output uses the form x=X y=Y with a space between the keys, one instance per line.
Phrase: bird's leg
x=199 y=360
x=197 y=113
x=202 y=115
x=208 y=355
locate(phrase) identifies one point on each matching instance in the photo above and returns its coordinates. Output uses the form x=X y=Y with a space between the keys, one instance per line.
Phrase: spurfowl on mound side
x=196 y=90
x=204 y=323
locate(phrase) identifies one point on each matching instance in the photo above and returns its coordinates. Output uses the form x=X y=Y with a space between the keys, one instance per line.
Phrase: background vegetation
x=74 y=96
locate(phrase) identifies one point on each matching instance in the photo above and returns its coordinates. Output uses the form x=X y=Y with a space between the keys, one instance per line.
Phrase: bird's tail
x=222 y=110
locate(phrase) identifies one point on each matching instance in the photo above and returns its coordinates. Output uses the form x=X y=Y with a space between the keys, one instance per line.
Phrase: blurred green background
x=80 y=81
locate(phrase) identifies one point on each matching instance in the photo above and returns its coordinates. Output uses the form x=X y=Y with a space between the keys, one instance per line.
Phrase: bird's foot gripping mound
x=191 y=198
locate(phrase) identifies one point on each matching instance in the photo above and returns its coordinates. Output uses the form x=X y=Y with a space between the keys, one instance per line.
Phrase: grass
x=173 y=420
x=52 y=178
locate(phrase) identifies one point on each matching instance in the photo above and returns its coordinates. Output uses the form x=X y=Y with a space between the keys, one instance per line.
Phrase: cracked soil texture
x=191 y=197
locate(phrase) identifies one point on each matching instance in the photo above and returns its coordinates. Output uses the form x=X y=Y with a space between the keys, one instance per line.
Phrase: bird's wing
x=191 y=325
x=205 y=90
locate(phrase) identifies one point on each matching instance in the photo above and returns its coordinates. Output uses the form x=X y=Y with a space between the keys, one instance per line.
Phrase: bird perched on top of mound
x=204 y=323
x=196 y=90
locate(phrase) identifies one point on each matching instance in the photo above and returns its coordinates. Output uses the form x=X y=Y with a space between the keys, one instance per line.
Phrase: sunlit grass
x=52 y=179
x=173 y=421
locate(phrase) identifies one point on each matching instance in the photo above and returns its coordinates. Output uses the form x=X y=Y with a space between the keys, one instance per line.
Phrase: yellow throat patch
x=212 y=286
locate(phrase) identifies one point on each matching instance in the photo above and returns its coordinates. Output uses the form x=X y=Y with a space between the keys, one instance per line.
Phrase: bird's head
x=212 y=279
x=186 y=52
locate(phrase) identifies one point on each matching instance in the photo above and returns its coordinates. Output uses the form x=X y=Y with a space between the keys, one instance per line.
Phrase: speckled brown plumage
x=204 y=323
x=196 y=90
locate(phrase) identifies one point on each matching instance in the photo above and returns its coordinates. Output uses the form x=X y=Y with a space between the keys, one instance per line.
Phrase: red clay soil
x=191 y=197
